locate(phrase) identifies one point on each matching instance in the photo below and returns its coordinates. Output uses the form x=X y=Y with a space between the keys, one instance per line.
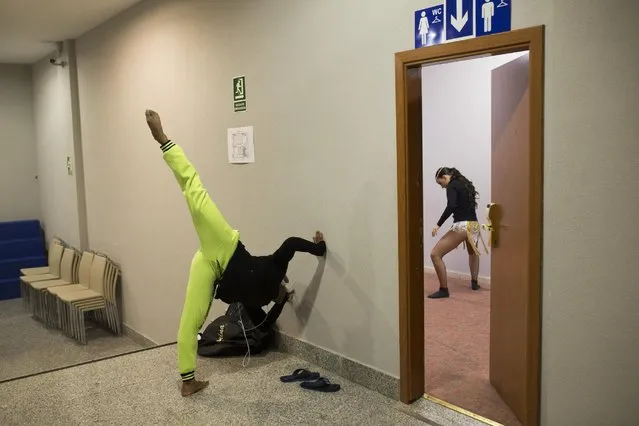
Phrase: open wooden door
x=510 y=259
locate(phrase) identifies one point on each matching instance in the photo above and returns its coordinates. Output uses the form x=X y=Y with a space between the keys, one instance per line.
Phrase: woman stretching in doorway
x=462 y=204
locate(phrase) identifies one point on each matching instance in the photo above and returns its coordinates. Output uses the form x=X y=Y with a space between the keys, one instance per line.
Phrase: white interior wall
x=54 y=131
x=456 y=125
x=312 y=116
x=19 y=189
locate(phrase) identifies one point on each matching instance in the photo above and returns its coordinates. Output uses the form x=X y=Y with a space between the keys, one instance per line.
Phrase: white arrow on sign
x=459 y=21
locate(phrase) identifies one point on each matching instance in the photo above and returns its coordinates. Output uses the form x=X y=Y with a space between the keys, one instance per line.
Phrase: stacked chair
x=96 y=295
x=52 y=259
x=36 y=289
x=72 y=287
x=50 y=272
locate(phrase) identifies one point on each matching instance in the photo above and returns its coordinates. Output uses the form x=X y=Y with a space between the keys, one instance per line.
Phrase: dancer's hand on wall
x=435 y=229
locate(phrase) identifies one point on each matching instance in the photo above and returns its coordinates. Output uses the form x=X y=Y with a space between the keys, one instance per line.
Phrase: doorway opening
x=510 y=170
x=459 y=137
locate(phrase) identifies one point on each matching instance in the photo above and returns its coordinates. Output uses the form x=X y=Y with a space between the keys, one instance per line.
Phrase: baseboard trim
x=354 y=371
x=138 y=338
x=484 y=281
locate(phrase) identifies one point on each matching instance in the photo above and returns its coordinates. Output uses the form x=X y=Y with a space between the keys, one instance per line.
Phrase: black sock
x=442 y=293
x=475 y=285
x=322 y=249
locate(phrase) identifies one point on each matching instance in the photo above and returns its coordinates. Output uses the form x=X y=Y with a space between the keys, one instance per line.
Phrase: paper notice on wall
x=240 y=145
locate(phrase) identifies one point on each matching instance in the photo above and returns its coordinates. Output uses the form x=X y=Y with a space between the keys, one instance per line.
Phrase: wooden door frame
x=408 y=87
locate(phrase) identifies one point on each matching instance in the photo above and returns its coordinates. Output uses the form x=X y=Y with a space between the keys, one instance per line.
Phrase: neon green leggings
x=218 y=242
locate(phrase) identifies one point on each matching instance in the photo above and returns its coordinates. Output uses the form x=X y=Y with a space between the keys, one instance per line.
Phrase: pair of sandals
x=311 y=381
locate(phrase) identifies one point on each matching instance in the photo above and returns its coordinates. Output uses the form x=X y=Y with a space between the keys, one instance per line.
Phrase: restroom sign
x=492 y=16
x=239 y=93
x=429 y=26
x=461 y=19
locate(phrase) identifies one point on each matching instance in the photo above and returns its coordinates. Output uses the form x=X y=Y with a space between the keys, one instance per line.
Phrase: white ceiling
x=30 y=28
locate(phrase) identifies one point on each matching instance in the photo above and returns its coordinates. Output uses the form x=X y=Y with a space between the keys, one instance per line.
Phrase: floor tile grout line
x=53 y=370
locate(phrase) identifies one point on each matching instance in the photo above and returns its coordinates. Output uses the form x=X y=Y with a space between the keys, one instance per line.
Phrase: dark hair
x=456 y=175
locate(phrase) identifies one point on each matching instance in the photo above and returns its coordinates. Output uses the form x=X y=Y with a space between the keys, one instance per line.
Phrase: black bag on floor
x=240 y=329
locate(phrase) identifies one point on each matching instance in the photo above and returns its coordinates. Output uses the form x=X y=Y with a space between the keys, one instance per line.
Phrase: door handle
x=493 y=216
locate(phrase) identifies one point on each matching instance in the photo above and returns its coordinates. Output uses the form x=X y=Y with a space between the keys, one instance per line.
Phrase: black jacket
x=253 y=281
x=459 y=204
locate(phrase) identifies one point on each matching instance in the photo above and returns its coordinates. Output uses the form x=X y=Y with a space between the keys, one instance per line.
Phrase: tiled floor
x=28 y=347
x=142 y=388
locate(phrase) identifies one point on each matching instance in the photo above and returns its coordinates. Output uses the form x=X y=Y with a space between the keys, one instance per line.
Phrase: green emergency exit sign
x=239 y=94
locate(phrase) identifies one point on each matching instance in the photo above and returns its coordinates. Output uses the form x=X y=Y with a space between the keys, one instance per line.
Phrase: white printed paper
x=240 y=145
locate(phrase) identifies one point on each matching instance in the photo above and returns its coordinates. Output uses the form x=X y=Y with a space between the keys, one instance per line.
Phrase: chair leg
x=80 y=324
x=48 y=312
x=37 y=299
x=106 y=315
x=55 y=319
x=36 y=311
x=78 y=319
x=24 y=291
x=116 y=317
x=57 y=309
x=63 y=317
x=38 y=295
x=83 y=336
x=27 y=293
x=22 y=295
x=72 y=320
x=48 y=309
x=113 y=315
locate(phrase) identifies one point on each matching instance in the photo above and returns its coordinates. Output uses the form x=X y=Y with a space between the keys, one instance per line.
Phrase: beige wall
x=180 y=57
x=18 y=164
x=52 y=99
x=320 y=84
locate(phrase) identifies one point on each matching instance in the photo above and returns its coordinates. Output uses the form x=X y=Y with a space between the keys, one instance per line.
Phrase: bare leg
x=448 y=243
x=473 y=263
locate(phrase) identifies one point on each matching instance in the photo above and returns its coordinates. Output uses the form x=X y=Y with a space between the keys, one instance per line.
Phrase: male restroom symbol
x=487 y=12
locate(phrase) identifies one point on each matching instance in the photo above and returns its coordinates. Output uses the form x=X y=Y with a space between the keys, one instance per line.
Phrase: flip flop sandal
x=300 y=375
x=321 y=385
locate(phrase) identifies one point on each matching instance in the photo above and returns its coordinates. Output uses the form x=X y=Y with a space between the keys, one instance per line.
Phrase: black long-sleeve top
x=459 y=204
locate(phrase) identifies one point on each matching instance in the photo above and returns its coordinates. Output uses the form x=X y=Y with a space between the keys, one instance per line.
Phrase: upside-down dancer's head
x=444 y=175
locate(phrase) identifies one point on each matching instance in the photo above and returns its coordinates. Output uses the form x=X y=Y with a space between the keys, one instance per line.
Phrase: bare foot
x=192 y=386
x=155 y=125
